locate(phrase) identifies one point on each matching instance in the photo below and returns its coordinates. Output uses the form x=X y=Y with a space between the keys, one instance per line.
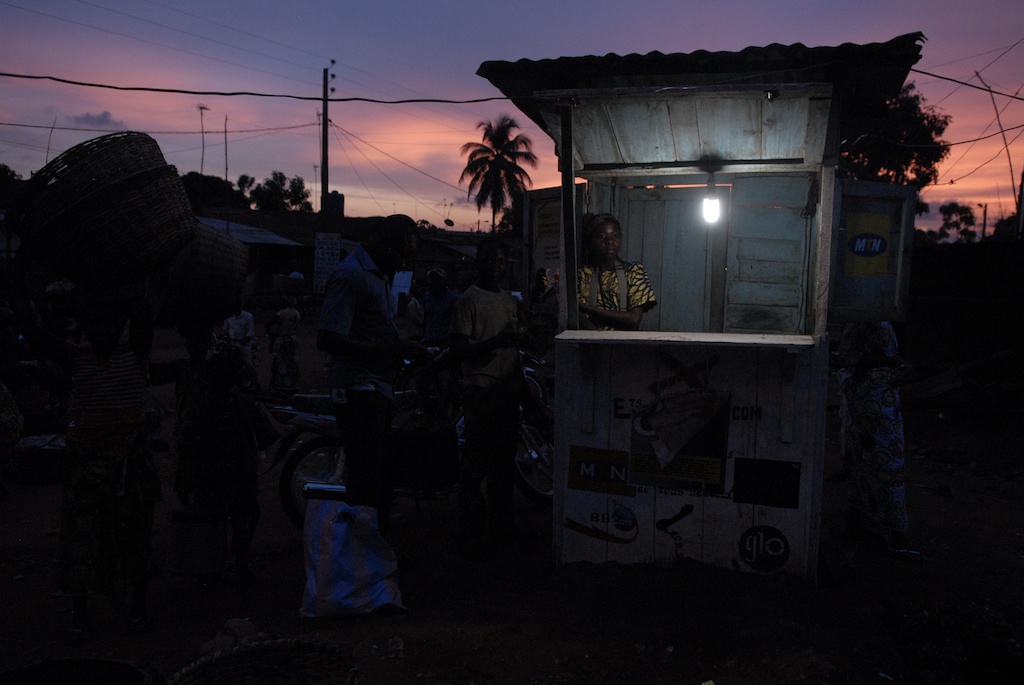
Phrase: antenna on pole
x=447 y=221
x=202 y=132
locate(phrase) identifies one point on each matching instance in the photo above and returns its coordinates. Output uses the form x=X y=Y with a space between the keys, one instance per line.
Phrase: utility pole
x=984 y=219
x=227 y=183
x=323 y=141
x=202 y=157
x=1020 y=205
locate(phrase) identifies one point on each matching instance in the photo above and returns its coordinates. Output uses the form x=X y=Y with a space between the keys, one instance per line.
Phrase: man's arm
x=625 y=320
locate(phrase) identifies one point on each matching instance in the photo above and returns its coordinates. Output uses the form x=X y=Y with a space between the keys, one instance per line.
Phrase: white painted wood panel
x=662 y=128
x=736 y=480
x=784 y=122
x=729 y=128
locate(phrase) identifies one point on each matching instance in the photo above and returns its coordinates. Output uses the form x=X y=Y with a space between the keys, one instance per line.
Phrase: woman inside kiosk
x=613 y=294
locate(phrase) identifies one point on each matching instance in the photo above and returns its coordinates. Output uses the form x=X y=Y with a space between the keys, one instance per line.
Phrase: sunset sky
x=405 y=158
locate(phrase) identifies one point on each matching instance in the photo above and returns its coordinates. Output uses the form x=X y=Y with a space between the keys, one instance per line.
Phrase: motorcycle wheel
x=320 y=460
x=535 y=465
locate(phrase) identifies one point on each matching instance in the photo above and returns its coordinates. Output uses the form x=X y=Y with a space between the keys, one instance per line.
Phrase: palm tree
x=493 y=166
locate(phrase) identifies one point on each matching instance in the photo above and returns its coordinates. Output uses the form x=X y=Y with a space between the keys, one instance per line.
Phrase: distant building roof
x=250 y=235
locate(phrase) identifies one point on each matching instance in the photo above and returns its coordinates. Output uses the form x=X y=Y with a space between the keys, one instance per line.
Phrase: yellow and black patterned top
x=640 y=293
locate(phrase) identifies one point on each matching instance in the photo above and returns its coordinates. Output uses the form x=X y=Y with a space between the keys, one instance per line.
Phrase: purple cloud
x=104 y=120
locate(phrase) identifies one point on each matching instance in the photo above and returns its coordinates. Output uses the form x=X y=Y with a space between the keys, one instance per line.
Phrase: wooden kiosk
x=702 y=435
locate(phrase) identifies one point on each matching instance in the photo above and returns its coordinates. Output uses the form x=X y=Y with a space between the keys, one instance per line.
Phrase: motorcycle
x=428 y=435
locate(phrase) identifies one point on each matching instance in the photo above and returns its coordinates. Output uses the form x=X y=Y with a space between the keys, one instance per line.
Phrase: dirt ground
x=957 y=617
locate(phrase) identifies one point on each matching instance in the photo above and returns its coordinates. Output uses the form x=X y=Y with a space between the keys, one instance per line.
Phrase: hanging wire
x=355 y=169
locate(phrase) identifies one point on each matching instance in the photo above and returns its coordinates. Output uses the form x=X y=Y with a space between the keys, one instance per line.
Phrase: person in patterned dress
x=605 y=301
x=873 y=370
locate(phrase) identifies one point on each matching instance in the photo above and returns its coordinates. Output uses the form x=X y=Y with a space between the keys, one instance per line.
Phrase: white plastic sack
x=350 y=568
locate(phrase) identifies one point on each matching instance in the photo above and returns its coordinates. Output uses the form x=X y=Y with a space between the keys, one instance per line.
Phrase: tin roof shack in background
x=716 y=406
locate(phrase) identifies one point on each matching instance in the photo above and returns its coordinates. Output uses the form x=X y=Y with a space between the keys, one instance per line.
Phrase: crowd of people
x=110 y=483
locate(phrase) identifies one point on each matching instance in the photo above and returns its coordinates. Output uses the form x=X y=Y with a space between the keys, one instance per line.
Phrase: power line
x=1006 y=145
x=162 y=133
x=251 y=35
x=983 y=164
x=959 y=142
x=949 y=169
x=218 y=41
x=150 y=42
x=385 y=175
x=996 y=59
x=236 y=29
x=968 y=85
x=996 y=120
x=355 y=169
x=419 y=171
x=185 y=91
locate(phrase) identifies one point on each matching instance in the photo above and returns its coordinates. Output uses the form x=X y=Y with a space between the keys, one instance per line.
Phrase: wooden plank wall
x=769 y=257
x=663 y=230
x=751 y=273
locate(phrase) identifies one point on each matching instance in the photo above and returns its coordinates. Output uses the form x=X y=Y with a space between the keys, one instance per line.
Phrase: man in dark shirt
x=357 y=329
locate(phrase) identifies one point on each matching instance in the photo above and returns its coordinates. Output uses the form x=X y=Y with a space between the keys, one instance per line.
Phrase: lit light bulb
x=712 y=209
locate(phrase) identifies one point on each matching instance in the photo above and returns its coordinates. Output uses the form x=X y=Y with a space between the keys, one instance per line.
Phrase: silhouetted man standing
x=357 y=329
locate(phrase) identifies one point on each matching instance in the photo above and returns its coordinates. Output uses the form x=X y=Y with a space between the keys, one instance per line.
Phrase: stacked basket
x=112 y=216
x=205 y=280
x=106 y=212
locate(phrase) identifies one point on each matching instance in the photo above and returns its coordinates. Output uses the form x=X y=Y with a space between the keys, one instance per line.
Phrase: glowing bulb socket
x=712 y=209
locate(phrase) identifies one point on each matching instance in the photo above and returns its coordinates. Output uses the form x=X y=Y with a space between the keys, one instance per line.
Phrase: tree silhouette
x=205 y=192
x=957 y=220
x=10 y=184
x=1005 y=228
x=245 y=183
x=494 y=166
x=279 y=193
x=905 y=148
x=298 y=196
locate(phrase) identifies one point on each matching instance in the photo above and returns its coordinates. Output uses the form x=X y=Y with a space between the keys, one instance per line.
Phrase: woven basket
x=81 y=171
x=205 y=281
x=104 y=214
x=270 y=662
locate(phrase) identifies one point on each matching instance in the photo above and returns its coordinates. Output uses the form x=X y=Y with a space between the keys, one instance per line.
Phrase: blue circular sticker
x=623 y=518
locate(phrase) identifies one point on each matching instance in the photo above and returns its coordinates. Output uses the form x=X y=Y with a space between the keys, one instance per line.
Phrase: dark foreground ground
x=958 y=617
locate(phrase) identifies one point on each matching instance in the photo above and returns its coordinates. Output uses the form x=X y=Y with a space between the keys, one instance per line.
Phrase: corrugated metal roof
x=862 y=77
x=250 y=235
